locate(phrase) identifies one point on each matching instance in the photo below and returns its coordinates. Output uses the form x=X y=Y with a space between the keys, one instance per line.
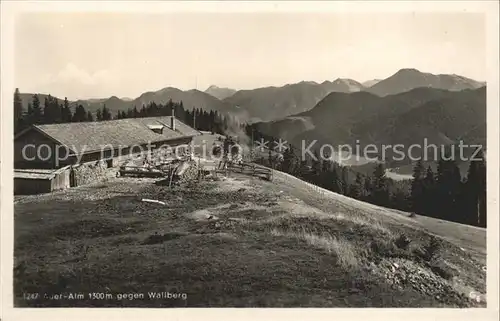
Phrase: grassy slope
x=272 y=244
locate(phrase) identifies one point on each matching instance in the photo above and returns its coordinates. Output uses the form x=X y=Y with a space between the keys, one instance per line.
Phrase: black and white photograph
x=251 y=159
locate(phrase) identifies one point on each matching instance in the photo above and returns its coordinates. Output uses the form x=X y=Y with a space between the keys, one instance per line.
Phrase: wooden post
x=200 y=173
x=252 y=138
x=171 y=176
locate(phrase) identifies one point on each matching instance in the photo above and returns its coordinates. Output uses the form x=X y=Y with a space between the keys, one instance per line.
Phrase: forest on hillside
x=442 y=194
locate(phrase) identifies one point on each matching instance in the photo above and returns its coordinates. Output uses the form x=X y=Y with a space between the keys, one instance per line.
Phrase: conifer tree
x=66 y=114
x=61 y=113
x=428 y=194
x=48 y=112
x=448 y=187
x=344 y=180
x=368 y=188
x=106 y=114
x=98 y=115
x=316 y=164
x=80 y=114
x=482 y=190
x=29 y=115
x=56 y=114
x=37 y=110
x=475 y=192
x=335 y=179
x=143 y=112
x=356 y=189
x=417 y=187
x=89 y=116
x=380 y=193
x=54 y=109
x=18 y=111
x=289 y=161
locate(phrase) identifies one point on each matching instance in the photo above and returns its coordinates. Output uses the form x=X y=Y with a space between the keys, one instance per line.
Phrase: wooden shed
x=38 y=181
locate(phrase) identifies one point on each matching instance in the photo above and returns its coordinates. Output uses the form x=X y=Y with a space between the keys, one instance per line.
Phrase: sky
x=96 y=55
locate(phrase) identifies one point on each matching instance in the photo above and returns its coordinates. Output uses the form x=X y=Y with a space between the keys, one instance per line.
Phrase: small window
x=109 y=162
x=156 y=128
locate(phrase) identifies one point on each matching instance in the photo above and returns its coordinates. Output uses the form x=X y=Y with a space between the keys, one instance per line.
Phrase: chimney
x=172 y=119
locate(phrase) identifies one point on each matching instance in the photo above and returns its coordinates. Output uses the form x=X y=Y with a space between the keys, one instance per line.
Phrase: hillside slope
x=239 y=242
x=370 y=83
x=272 y=103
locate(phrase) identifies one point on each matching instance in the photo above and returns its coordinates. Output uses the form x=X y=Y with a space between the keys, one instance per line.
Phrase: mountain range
x=190 y=99
x=275 y=103
x=440 y=117
x=272 y=103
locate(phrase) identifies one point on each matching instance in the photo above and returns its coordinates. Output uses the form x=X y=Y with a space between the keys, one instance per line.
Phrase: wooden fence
x=251 y=169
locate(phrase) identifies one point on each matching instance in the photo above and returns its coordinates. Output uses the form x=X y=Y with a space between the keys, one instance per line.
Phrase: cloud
x=77 y=82
x=73 y=73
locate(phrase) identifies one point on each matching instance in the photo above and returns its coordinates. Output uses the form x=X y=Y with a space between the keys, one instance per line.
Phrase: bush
x=442 y=269
x=402 y=241
x=383 y=248
x=160 y=238
x=431 y=250
x=391 y=248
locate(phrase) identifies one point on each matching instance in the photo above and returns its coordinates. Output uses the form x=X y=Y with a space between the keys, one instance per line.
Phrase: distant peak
x=408 y=70
x=216 y=88
x=459 y=76
x=167 y=88
x=344 y=80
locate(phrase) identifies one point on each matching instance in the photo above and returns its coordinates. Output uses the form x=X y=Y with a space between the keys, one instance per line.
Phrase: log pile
x=91 y=173
x=186 y=172
x=140 y=171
